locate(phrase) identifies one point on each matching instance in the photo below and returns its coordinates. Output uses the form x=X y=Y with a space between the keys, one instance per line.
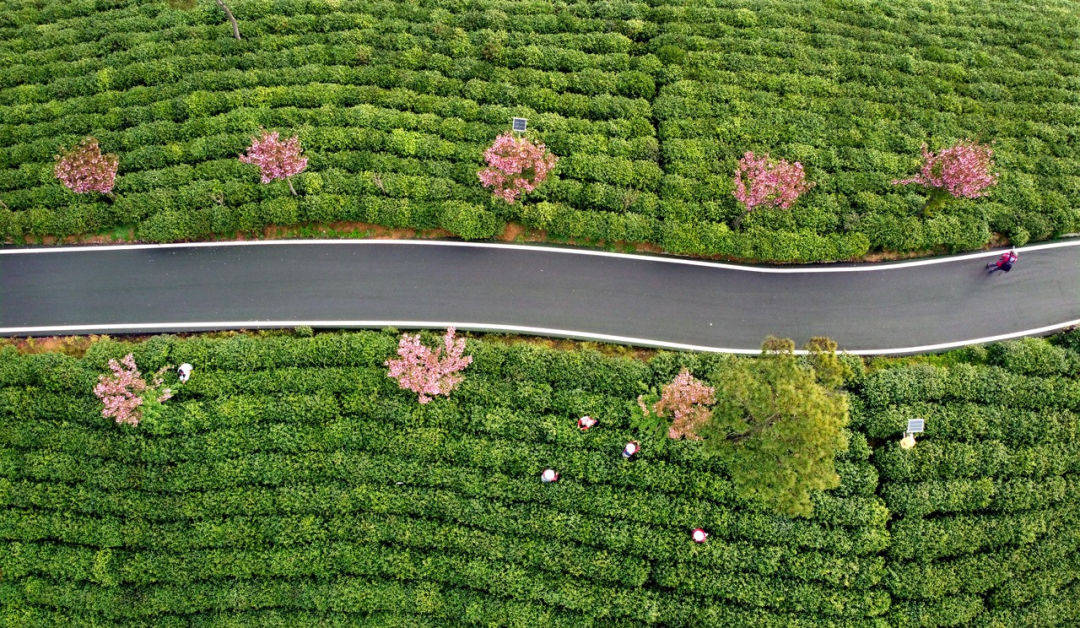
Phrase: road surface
x=648 y=300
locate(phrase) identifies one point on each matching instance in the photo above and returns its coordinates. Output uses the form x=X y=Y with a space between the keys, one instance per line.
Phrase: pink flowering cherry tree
x=84 y=168
x=963 y=170
x=686 y=399
x=765 y=181
x=276 y=159
x=429 y=372
x=515 y=166
x=126 y=396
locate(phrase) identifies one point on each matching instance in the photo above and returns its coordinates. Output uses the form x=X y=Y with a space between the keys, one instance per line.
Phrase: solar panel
x=519 y=124
x=914 y=426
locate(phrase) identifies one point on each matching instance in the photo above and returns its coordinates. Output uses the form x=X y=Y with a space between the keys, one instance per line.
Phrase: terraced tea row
x=647 y=106
x=348 y=479
x=292 y=479
x=986 y=524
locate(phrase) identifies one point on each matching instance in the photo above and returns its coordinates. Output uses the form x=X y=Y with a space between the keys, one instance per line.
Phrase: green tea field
x=648 y=106
x=291 y=482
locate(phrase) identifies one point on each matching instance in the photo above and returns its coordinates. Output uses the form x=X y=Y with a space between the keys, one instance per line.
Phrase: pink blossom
x=515 y=166
x=686 y=399
x=276 y=159
x=763 y=181
x=84 y=169
x=962 y=170
x=428 y=372
x=123 y=392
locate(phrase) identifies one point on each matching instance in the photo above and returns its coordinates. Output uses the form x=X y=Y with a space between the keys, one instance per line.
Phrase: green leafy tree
x=830 y=370
x=778 y=426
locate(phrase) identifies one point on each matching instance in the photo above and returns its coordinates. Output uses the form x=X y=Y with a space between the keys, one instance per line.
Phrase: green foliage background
x=649 y=105
x=290 y=481
x=778 y=428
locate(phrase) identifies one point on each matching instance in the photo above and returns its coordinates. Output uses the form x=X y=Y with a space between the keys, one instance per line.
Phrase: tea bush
x=648 y=105
x=290 y=480
x=985 y=521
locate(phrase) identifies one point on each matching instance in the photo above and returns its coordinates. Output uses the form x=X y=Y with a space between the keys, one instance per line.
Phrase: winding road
x=892 y=308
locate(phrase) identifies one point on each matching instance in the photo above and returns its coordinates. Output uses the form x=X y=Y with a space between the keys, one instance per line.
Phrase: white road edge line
x=489 y=327
x=550 y=249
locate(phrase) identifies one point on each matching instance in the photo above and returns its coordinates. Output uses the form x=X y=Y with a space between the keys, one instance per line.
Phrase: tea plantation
x=290 y=481
x=647 y=104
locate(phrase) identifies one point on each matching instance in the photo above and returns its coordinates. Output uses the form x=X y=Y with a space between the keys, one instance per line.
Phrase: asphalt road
x=891 y=308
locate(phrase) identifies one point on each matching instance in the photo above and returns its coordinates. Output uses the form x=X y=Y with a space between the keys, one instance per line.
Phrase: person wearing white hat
x=585 y=422
x=184 y=372
x=630 y=449
x=549 y=476
x=699 y=535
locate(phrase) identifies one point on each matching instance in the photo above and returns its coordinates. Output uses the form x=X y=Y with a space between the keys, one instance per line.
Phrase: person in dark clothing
x=1005 y=262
